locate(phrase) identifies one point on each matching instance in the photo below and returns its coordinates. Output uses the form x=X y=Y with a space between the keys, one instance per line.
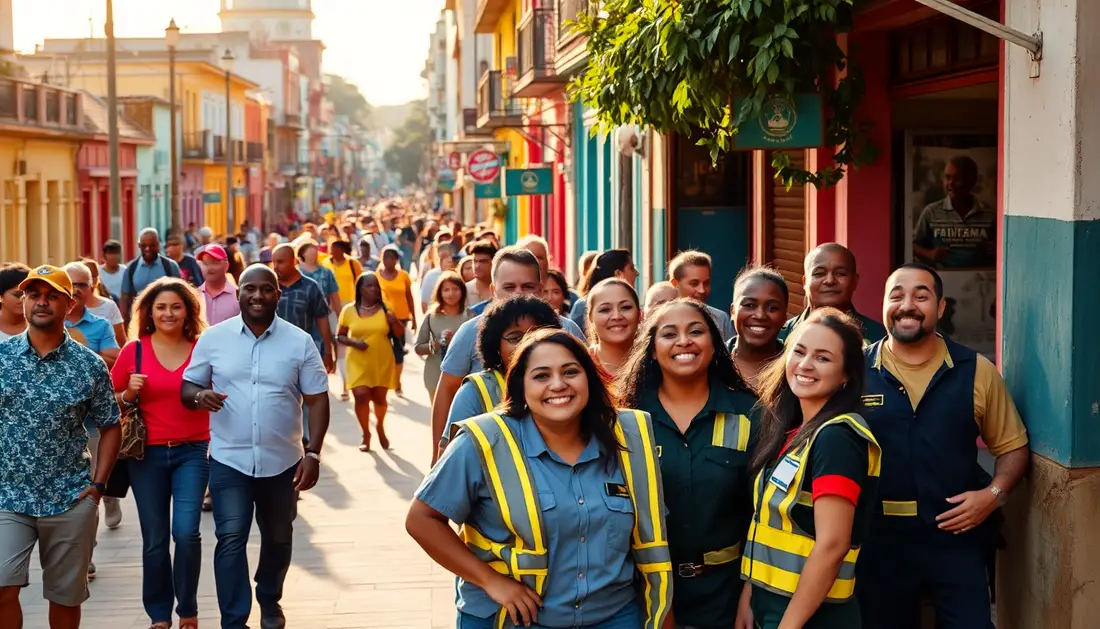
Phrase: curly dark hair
x=501 y=315
x=598 y=416
x=782 y=411
x=142 y=323
x=642 y=373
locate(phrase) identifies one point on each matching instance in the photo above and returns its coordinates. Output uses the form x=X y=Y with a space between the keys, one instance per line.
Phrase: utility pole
x=112 y=126
x=172 y=36
x=227 y=65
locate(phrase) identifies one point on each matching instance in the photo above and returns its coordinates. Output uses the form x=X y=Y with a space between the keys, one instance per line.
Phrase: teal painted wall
x=723 y=234
x=638 y=217
x=606 y=200
x=511 y=226
x=580 y=180
x=591 y=194
x=1050 y=334
x=660 y=244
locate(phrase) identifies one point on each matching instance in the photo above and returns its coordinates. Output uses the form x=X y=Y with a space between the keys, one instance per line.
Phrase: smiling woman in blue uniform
x=682 y=375
x=560 y=502
x=818 y=467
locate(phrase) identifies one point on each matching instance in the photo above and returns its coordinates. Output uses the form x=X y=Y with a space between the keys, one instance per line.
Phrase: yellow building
x=41 y=130
x=201 y=95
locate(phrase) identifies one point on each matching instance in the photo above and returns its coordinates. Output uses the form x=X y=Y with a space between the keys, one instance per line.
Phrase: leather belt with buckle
x=691 y=570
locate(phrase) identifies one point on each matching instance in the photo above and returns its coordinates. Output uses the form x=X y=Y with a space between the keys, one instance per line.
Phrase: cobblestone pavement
x=353 y=566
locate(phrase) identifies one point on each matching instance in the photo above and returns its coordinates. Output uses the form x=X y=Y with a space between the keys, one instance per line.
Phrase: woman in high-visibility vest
x=818 y=466
x=681 y=374
x=502 y=327
x=560 y=501
x=614 y=313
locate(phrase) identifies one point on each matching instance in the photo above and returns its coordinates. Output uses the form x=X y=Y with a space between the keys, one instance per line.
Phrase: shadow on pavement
x=404 y=478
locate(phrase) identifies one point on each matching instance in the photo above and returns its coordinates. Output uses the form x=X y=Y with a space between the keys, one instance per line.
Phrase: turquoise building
x=154 y=189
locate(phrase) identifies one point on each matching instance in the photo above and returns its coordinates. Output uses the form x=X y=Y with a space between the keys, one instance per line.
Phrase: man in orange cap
x=48 y=493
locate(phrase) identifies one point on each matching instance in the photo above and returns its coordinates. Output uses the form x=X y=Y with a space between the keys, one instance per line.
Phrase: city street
x=353 y=566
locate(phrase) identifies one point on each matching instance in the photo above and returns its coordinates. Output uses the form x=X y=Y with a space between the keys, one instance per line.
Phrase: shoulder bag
x=134 y=433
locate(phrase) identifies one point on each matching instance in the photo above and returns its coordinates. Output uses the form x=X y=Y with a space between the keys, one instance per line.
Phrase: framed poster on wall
x=951 y=225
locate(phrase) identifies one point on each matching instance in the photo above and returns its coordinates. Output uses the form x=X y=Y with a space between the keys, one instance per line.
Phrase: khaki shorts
x=65 y=544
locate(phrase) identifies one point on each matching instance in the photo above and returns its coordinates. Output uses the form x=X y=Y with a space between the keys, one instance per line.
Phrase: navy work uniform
x=480 y=393
x=708 y=493
x=928 y=419
x=872 y=330
x=841 y=458
x=577 y=535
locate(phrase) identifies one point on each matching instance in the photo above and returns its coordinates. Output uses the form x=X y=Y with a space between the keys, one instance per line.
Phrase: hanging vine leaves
x=676 y=65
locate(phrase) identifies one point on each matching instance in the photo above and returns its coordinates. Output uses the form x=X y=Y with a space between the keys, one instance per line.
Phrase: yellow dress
x=374 y=366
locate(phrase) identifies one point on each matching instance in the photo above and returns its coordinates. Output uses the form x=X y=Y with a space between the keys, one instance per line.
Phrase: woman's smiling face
x=555 y=384
x=683 y=345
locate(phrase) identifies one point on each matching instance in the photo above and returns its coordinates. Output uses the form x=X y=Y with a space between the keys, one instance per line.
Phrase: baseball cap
x=51 y=275
x=213 y=250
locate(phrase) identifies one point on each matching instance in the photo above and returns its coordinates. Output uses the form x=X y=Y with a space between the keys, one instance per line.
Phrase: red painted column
x=864 y=200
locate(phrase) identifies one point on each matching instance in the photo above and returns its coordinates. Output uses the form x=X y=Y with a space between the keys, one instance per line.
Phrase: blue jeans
x=237 y=497
x=168 y=486
x=629 y=617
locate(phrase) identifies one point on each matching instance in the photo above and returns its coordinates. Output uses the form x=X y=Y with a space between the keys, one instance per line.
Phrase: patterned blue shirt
x=44 y=460
x=325 y=278
x=302 y=304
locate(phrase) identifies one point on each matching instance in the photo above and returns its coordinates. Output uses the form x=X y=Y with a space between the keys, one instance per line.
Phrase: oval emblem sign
x=483 y=166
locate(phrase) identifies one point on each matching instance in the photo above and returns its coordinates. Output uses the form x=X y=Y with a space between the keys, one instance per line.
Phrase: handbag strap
x=137 y=357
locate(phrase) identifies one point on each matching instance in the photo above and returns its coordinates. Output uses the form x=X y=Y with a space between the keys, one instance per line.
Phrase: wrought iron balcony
x=255 y=151
x=537 y=42
x=495 y=106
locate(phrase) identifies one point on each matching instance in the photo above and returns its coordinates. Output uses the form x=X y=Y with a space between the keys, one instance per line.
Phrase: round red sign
x=483 y=166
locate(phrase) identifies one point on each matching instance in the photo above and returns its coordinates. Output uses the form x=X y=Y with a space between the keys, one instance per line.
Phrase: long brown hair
x=142 y=323
x=437 y=293
x=782 y=411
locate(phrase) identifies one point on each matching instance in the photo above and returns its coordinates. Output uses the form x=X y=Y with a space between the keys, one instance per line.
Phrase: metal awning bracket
x=1032 y=43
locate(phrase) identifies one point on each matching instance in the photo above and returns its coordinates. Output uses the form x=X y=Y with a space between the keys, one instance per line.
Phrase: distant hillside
x=390 y=116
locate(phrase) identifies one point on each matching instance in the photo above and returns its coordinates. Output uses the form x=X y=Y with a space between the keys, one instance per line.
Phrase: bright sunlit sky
x=380 y=45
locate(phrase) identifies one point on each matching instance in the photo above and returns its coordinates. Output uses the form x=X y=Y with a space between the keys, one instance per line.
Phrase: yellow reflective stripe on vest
x=487 y=397
x=722 y=556
x=904 y=508
x=731 y=431
x=777 y=549
x=649 y=546
x=505 y=466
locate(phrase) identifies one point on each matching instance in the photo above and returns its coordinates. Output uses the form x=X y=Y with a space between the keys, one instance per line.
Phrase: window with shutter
x=786 y=240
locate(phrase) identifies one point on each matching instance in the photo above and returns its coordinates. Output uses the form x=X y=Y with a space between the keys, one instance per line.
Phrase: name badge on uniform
x=873 y=400
x=784 y=473
x=617 y=490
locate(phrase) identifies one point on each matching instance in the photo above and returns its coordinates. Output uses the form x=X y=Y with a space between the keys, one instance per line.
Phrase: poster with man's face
x=951 y=225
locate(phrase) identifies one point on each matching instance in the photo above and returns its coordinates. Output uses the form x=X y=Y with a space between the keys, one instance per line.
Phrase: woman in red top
x=174 y=471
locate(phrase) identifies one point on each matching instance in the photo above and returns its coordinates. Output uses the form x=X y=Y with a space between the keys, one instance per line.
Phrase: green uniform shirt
x=708 y=494
x=873 y=331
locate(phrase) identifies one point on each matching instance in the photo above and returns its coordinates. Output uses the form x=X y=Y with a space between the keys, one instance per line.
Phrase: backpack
x=132 y=269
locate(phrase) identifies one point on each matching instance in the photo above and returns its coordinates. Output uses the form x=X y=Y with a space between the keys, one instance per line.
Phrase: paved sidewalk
x=353 y=566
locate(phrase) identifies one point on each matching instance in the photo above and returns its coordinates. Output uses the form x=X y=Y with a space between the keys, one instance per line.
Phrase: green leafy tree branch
x=677 y=65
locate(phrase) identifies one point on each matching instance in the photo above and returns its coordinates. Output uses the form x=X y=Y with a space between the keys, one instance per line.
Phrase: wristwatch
x=316 y=456
x=998 y=493
x=100 y=487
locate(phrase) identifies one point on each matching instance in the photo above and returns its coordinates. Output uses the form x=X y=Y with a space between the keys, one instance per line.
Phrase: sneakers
x=91 y=571
x=114 y=512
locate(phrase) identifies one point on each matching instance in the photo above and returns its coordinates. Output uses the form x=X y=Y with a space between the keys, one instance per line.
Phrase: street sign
x=211 y=197
x=454 y=161
x=783 y=123
x=447 y=180
x=489 y=190
x=526 y=181
x=483 y=166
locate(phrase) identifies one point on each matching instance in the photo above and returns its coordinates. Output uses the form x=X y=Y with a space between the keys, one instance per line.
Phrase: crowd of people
x=602 y=457
x=614 y=460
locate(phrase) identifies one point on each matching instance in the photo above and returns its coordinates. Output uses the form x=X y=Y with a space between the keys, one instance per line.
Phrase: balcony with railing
x=469 y=125
x=40 y=105
x=219 y=147
x=255 y=152
x=537 y=43
x=570 y=11
x=198 y=145
x=496 y=108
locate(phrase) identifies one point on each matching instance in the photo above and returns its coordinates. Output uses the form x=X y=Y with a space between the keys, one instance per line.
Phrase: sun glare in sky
x=380 y=45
